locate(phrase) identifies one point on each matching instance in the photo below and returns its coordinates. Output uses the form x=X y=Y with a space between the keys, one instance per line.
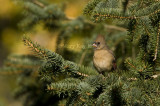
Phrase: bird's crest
x=100 y=38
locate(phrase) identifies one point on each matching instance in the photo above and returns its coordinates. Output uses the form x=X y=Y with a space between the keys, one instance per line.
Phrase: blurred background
x=11 y=39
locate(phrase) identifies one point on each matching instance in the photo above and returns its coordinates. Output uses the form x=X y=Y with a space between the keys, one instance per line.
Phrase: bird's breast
x=103 y=60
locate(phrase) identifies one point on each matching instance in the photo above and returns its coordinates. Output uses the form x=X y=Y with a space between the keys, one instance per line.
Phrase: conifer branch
x=131 y=65
x=153 y=76
x=145 y=26
x=70 y=85
x=43 y=14
x=98 y=16
x=56 y=60
x=64 y=85
x=113 y=13
x=113 y=16
x=35 y=47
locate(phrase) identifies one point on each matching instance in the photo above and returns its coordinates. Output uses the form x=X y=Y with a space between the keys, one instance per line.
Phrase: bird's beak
x=94 y=45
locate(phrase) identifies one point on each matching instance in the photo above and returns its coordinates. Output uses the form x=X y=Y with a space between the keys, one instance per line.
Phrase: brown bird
x=103 y=59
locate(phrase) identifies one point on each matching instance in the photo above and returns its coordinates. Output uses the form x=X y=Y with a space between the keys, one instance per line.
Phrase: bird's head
x=99 y=43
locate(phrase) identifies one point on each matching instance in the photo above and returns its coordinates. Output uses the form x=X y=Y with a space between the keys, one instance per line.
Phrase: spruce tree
x=64 y=77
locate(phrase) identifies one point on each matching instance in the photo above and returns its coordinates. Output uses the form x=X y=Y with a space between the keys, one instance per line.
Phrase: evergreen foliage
x=133 y=35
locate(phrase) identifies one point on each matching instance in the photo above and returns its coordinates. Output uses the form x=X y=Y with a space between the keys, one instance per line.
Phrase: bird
x=103 y=58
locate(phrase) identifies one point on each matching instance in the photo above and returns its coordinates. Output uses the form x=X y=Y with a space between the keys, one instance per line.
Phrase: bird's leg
x=102 y=73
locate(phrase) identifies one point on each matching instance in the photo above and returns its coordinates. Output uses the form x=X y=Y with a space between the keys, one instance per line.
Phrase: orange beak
x=94 y=45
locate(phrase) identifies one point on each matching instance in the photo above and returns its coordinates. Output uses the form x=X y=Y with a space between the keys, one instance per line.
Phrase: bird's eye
x=98 y=43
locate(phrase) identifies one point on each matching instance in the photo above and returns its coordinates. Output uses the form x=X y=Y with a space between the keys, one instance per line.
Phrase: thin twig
x=132 y=65
x=38 y=3
x=82 y=57
x=106 y=26
x=157 y=44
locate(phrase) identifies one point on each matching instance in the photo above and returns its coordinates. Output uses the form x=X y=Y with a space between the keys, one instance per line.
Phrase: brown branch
x=85 y=75
x=38 y=3
x=17 y=72
x=115 y=28
x=10 y=72
x=157 y=44
x=153 y=76
x=21 y=65
x=34 y=47
x=131 y=65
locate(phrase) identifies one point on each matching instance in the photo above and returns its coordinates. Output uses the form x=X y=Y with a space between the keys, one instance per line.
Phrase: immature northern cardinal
x=103 y=58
